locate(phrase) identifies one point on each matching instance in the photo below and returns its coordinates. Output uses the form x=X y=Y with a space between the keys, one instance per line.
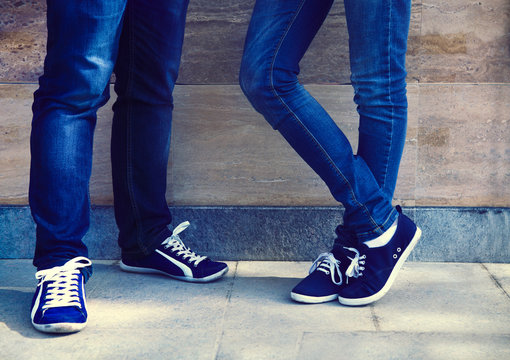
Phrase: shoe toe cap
x=210 y=267
x=68 y=314
x=316 y=285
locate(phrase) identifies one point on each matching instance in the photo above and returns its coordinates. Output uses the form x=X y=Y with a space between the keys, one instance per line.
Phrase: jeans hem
x=369 y=235
x=149 y=248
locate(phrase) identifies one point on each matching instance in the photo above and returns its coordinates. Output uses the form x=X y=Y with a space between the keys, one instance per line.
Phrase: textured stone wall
x=224 y=153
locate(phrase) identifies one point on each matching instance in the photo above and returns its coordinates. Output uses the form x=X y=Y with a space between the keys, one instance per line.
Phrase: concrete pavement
x=434 y=311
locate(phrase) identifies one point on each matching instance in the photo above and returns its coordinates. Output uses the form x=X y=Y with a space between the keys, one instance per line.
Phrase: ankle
x=384 y=238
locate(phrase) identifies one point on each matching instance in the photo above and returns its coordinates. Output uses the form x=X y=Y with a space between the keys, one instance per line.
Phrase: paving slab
x=433 y=311
x=444 y=297
x=404 y=345
x=261 y=300
x=155 y=301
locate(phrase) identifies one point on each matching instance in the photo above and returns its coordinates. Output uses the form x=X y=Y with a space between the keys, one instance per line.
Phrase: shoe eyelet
x=395 y=256
x=399 y=249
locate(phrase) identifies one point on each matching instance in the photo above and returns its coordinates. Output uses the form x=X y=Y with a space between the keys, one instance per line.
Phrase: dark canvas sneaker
x=326 y=276
x=174 y=259
x=59 y=304
x=381 y=265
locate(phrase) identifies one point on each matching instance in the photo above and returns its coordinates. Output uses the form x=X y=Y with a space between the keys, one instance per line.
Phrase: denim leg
x=82 y=43
x=146 y=71
x=378 y=31
x=278 y=36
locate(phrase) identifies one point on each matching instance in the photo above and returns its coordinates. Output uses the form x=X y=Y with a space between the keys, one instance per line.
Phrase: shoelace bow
x=62 y=283
x=356 y=267
x=176 y=245
x=327 y=263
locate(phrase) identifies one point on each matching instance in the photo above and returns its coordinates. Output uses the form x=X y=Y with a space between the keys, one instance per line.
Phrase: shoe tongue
x=342 y=253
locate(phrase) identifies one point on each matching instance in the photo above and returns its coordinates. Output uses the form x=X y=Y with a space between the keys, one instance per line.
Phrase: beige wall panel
x=464 y=145
x=462 y=41
x=15 y=120
x=224 y=153
x=406 y=182
x=22 y=39
x=450 y=41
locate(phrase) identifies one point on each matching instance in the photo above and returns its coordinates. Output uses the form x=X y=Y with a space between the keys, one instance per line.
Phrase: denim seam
x=388 y=59
x=129 y=132
x=272 y=60
x=328 y=158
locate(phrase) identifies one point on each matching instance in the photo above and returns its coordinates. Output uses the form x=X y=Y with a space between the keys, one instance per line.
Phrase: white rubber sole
x=140 y=270
x=378 y=295
x=312 y=299
x=60 y=328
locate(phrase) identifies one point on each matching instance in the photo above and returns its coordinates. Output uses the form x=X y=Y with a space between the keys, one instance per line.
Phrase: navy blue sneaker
x=326 y=277
x=174 y=259
x=381 y=265
x=59 y=304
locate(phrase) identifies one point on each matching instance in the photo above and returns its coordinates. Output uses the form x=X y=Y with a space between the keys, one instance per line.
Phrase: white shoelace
x=327 y=263
x=62 y=283
x=177 y=246
x=356 y=267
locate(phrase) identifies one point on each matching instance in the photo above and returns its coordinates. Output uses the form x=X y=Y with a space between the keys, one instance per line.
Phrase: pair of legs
x=278 y=37
x=279 y=34
x=141 y=41
x=87 y=40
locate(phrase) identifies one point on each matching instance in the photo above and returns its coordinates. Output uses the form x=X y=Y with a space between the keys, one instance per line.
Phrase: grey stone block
x=463 y=234
x=284 y=233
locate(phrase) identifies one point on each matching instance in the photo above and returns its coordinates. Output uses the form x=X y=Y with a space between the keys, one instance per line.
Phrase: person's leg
x=82 y=43
x=277 y=39
x=278 y=36
x=146 y=71
x=378 y=41
x=377 y=46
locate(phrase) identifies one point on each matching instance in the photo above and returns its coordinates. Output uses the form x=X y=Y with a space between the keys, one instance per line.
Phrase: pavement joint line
x=375 y=318
x=299 y=344
x=495 y=280
x=219 y=337
x=409 y=332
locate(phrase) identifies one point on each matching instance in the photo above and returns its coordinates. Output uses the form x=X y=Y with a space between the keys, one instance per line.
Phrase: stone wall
x=224 y=153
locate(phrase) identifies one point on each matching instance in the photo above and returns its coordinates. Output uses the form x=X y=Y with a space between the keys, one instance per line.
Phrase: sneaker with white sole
x=59 y=304
x=174 y=259
x=381 y=265
x=326 y=276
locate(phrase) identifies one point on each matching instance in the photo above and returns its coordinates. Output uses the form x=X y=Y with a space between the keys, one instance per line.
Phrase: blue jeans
x=278 y=37
x=141 y=40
